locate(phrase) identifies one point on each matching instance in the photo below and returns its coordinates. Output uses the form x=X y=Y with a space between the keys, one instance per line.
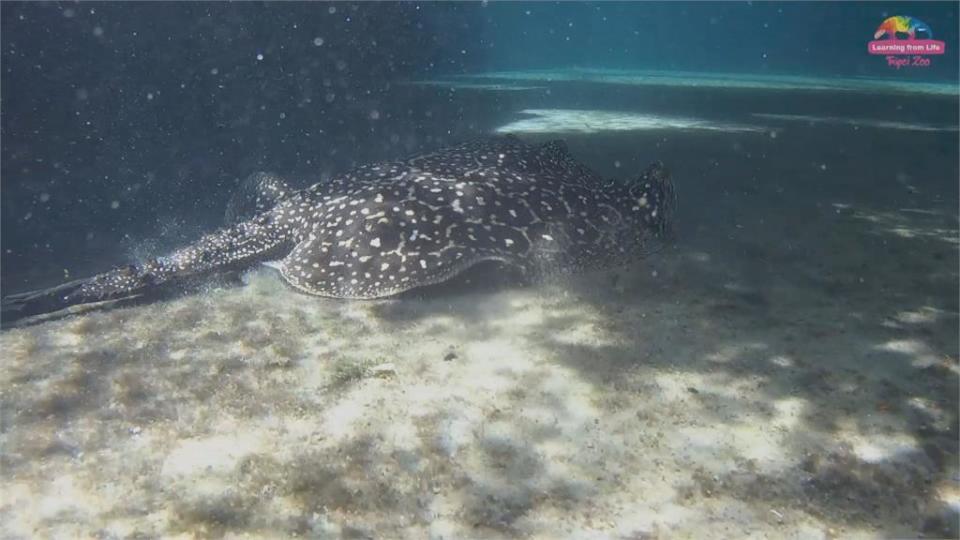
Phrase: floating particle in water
x=823 y=166
x=330 y=97
x=318 y=41
x=115 y=204
x=28 y=216
x=332 y=9
x=82 y=94
x=259 y=56
x=374 y=114
x=97 y=31
x=69 y=13
x=44 y=197
x=616 y=164
x=283 y=115
x=214 y=71
x=149 y=96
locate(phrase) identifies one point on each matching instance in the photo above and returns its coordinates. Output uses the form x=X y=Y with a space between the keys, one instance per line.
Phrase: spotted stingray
x=385 y=228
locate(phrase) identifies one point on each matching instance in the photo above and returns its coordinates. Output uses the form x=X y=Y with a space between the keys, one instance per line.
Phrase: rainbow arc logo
x=905 y=41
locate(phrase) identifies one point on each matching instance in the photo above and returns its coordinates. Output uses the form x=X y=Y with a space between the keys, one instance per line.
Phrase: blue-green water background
x=126 y=126
x=815 y=38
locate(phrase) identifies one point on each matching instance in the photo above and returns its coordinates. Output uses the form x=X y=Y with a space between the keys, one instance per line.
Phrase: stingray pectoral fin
x=313 y=268
x=340 y=271
x=260 y=192
x=369 y=284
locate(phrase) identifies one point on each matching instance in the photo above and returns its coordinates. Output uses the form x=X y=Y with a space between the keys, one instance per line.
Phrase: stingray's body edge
x=387 y=293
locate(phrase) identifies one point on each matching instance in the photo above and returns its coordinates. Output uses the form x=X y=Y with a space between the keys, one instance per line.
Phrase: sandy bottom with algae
x=788 y=369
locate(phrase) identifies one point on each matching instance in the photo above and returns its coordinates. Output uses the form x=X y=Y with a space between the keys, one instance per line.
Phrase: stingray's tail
x=229 y=249
x=120 y=283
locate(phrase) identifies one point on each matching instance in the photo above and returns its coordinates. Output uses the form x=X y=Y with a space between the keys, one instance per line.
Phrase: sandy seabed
x=787 y=369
